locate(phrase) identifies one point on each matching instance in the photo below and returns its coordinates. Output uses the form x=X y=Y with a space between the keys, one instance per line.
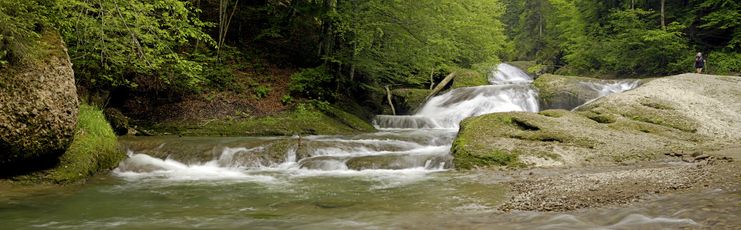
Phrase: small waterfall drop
x=605 y=88
x=410 y=145
x=510 y=90
x=610 y=87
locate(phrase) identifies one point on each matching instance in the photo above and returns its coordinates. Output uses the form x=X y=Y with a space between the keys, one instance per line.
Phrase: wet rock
x=701 y=157
x=38 y=108
x=664 y=115
x=568 y=92
x=407 y=101
x=118 y=121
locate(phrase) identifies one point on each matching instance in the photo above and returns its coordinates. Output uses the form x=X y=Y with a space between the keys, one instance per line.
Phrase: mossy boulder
x=568 y=92
x=118 y=121
x=407 y=101
x=563 y=92
x=468 y=78
x=671 y=114
x=94 y=149
x=38 y=109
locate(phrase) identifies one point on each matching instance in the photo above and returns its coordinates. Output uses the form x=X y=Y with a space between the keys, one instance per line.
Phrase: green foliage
x=113 y=41
x=261 y=91
x=621 y=37
x=724 y=16
x=94 y=149
x=315 y=83
x=724 y=63
x=403 y=41
x=634 y=46
x=286 y=99
x=20 y=25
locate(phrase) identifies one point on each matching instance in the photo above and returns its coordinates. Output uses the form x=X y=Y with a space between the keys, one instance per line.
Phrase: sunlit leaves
x=112 y=41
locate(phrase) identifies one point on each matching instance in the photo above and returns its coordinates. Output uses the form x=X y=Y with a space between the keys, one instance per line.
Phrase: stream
x=398 y=177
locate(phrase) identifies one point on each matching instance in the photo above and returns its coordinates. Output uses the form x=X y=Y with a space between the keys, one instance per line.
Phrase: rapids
x=398 y=177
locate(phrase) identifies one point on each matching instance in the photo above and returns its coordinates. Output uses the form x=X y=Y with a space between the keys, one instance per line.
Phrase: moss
x=347 y=119
x=657 y=104
x=94 y=149
x=465 y=159
x=555 y=113
x=469 y=78
x=600 y=117
x=305 y=119
x=664 y=119
x=472 y=148
x=409 y=100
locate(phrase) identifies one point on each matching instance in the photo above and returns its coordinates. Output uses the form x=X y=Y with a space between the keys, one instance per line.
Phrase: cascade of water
x=508 y=74
x=510 y=91
x=421 y=141
x=609 y=87
x=605 y=88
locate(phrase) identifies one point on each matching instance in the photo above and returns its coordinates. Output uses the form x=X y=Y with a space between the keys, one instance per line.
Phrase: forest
x=346 y=47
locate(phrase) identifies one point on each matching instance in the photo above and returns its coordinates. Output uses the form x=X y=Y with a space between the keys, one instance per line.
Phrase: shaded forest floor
x=252 y=93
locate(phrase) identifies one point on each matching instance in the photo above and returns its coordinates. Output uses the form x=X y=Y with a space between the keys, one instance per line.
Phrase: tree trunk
x=441 y=85
x=388 y=97
x=224 y=22
x=663 y=25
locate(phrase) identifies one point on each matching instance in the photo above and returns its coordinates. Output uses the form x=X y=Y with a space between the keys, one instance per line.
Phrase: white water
x=605 y=88
x=609 y=87
x=511 y=90
x=403 y=188
x=407 y=147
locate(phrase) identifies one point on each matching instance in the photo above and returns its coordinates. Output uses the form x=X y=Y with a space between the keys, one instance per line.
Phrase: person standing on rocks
x=699 y=63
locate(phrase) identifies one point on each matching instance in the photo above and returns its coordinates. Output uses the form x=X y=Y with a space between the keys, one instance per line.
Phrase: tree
x=20 y=25
x=111 y=42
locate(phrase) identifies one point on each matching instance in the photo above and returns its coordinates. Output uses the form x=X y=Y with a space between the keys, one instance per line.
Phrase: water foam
x=142 y=166
x=605 y=88
x=511 y=90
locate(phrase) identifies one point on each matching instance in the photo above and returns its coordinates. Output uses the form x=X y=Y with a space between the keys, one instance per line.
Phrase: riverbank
x=565 y=189
x=673 y=135
x=676 y=114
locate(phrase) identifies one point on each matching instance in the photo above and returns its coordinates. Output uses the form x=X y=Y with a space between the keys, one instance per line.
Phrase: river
x=399 y=177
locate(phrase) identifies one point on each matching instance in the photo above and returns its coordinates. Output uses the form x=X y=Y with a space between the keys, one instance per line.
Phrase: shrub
x=724 y=63
x=261 y=91
x=314 y=83
x=286 y=99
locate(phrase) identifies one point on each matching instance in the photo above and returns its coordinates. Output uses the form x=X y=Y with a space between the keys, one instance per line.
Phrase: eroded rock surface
x=682 y=113
x=38 y=107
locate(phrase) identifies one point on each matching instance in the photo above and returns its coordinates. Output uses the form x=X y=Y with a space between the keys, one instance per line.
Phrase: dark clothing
x=699 y=62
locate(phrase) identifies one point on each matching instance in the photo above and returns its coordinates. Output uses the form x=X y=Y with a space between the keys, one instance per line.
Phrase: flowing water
x=398 y=177
x=607 y=87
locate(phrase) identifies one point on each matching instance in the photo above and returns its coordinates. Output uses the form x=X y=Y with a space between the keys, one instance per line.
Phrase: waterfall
x=405 y=144
x=604 y=88
x=609 y=87
x=510 y=90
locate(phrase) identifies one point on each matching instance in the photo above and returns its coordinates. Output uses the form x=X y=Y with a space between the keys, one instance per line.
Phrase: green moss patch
x=469 y=78
x=94 y=149
x=555 y=113
x=304 y=119
x=470 y=157
x=409 y=100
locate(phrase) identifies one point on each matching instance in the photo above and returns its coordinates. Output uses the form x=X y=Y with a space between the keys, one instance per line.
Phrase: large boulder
x=678 y=114
x=469 y=78
x=38 y=107
x=568 y=92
